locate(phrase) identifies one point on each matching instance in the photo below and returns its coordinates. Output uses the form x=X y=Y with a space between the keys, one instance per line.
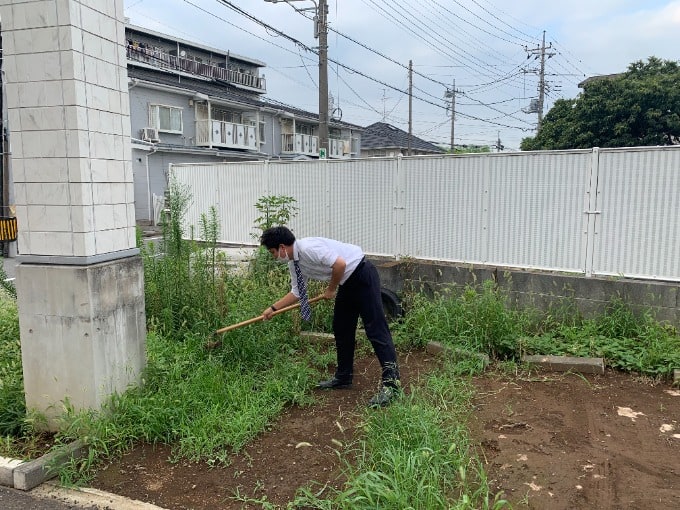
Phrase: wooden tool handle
x=261 y=317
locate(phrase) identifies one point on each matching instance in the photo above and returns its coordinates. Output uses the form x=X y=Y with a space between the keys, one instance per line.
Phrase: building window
x=166 y=118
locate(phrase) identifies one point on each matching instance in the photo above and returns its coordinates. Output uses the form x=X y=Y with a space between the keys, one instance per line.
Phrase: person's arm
x=337 y=272
x=287 y=300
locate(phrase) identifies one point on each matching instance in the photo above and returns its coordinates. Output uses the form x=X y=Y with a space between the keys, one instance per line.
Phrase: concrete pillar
x=79 y=278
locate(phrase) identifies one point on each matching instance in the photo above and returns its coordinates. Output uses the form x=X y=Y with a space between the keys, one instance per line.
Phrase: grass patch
x=416 y=453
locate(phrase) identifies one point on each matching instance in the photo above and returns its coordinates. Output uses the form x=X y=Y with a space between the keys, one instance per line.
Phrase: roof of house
x=223 y=91
x=592 y=79
x=381 y=135
x=210 y=49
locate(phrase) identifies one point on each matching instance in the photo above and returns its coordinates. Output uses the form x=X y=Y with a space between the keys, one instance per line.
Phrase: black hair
x=274 y=237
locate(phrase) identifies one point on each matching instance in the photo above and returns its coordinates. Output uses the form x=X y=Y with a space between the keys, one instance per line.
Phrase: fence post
x=591 y=211
x=399 y=207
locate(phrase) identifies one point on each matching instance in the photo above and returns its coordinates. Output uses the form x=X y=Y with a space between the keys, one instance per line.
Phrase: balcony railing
x=300 y=144
x=215 y=133
x=164 y=60
x=339 y=148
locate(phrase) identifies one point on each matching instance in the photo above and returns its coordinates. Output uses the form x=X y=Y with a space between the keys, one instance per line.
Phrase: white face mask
x=285 y=259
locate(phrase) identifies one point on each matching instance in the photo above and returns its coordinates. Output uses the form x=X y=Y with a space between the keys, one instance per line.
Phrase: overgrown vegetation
x=12 y=406
x=479 y=320
x=209 y=403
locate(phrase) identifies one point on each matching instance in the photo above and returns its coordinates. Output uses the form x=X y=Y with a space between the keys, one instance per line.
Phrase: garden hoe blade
x=216 y=343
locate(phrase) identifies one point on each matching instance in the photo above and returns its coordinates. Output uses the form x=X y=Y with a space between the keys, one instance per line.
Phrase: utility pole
x=541 y=51
x=410 y=105
x=322 y=24
x=499 y=145
x=320 y=33
x=452 y=94
x=384 y=102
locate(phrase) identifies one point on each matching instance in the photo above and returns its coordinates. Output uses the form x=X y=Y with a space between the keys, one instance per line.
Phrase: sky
x=488 y=52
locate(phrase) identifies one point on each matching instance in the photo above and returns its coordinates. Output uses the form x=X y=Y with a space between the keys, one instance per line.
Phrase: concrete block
x=316 y=337
x=437 y=348
x=31 y=474
x=7 y=467
x=567 y=363
x=326 y=338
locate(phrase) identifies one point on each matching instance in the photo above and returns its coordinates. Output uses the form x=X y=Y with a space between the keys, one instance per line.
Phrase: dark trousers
x=358 y=297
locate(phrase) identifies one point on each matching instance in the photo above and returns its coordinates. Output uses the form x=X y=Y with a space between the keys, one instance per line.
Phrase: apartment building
x=193 y=103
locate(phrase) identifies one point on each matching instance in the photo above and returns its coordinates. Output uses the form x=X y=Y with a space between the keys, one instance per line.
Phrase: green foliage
x=207 y=404
x=478 y=320
x=640 y=107
x=626 y=341
x=274 y=210
x=12 y=405
x=7 y=285
x=185 y=281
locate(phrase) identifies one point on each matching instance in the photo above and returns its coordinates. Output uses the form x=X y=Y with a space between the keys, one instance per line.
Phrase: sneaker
x=335 y=384
x=384 y=397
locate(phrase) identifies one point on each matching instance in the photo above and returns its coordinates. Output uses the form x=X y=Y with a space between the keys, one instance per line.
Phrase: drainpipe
x=274 y=117
x=148 y=186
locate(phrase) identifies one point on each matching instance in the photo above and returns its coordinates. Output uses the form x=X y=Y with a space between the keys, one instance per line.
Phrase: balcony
x=339 y=148
x=226 y=135
x=309 y=145
x=163 y=60
x=298 y=143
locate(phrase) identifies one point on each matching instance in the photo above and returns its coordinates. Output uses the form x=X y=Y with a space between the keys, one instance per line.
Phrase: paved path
x=12 y=499
x=49 y=496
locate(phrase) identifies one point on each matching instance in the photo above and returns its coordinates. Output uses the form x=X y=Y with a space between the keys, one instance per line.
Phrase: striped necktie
x=305 y=309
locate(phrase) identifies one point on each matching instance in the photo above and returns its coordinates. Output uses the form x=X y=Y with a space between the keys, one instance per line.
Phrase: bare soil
x=551 y=441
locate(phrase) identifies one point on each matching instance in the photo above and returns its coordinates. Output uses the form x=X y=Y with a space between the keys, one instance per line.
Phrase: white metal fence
x=594 y=212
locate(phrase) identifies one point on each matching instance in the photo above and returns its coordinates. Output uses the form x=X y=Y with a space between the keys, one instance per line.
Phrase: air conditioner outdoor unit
x=150 y=134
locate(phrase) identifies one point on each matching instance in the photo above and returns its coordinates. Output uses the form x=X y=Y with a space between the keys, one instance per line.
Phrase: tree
x=640 y=107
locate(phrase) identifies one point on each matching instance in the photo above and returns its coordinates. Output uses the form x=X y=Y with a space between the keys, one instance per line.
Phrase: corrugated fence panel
x=232 y=189
x=638 y=230
x=443 y=200
x=361 y=203
x=520 y=209
x=306 y=182
x=536 y=215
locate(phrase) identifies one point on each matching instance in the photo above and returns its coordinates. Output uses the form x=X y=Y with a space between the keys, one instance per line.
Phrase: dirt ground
x=549 y=441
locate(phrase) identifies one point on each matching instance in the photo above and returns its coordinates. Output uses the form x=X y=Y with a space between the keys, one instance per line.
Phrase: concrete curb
x=567 y=363
x=7 y=467
x=25 y=475
x=33 y=477
x=437 y=348
x=89 y=498
x=321 y=338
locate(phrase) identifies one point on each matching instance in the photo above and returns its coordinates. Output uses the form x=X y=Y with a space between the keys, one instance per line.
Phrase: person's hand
x=267 y=314
x=328 y=293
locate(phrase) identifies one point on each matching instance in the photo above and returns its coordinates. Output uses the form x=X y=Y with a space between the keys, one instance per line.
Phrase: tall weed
x=12 y=406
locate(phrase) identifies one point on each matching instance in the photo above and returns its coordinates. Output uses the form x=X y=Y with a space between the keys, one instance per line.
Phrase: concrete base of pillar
x=83 y=333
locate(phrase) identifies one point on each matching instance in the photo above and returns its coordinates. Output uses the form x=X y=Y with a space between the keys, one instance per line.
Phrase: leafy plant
x=274 y=210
